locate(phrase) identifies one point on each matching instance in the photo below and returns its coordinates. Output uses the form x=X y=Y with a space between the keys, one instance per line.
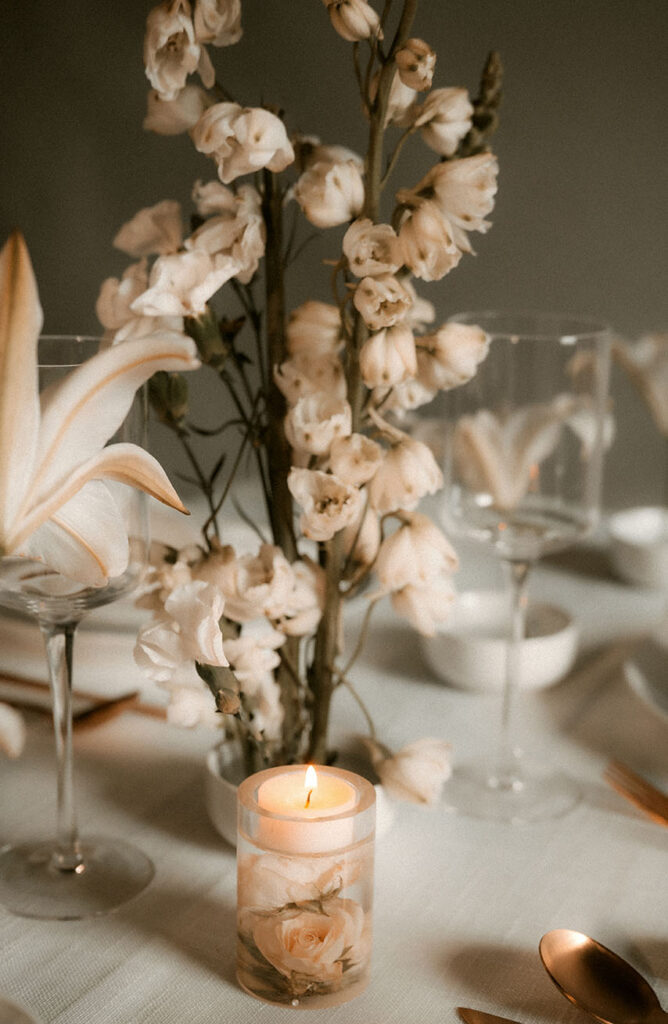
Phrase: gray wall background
x=580 y=223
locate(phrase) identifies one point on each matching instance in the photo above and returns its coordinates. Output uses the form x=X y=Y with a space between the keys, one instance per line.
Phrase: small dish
x=639 y=545
x=470 y=650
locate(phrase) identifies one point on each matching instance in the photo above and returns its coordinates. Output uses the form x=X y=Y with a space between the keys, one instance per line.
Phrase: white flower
x=388 y=357
x=313 y=423
x=355 y=459
x=361 y=539
x=269 y=881
x=196 y=607
x=416 y=553
x=329 y=504
x=415 y=63
x=182 y=284
x=314 y=328
x=173 y=117
x=372 y=249
x=400 y=102
x=53 y=457
x=421 y=312
x=171 y=52
x=310 y=150
x=303 y=374
x=154 y=229
x=426 y=606
x=158 y=651
x=242 y=140
x=306 y=601
x=444 y=119
x=382 y=301
x=408 y=394
x=190 y=704
x=416 y=772
x=218 y=22
x=452 y=353
x=407 y=473
x=427 y=242
x=237 y=232
x=353 y=19
x=330 y=194
x=113 y=302
x=253 y=585
x=12 y=731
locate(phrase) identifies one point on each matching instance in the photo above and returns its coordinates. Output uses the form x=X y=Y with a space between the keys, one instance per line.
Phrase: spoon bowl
x=597 y=980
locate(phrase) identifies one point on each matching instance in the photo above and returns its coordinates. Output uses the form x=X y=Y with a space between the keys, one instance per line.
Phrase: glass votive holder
x=305 y=885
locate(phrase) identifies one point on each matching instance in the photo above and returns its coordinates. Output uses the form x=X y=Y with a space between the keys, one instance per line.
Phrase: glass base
x=519 y=798
x=109 y=873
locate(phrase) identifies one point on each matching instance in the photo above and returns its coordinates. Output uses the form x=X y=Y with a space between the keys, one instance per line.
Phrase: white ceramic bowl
x=639 y=545
x=470 y=649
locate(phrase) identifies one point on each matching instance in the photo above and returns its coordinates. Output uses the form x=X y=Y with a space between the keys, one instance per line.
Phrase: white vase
x=224 y=772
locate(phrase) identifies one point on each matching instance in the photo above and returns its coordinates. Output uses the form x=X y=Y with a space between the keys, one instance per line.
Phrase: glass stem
x=508 y=773
x=59 y=640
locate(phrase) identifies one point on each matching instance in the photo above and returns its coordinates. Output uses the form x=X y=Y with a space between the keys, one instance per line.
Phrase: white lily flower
x=444 y=119
x=314 y=328
x=218 y=22
x=388 y=357
x=12 y=731
x=330 y=194
x=416 y=553
x=242 y=140
x=173 y=117
x=353 y=19
x=415 y=63
x=49 y=453
x=329 y=504
x=153 y=230
x=316 y=420
x=382 y=301
x=182 y=284
x=452 y=355
x=372 y=249
x=416 y=772
x=171 y=52
x=428 y=242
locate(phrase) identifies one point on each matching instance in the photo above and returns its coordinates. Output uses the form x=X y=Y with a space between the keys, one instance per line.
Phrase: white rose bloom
x=307 y=600
x=452 y=355
x=197 y=608
x=154 y=230
x=362 y=540
x=425 y=607
x=355 y=459
x=415 y=63
x=400 y=102
x=173 y=117
x=171 y=52
x=382 y=301
x=113 y=302
x=428 y=242
x=12 y=731
x=353 y=19
x=255 y=586
x=417 y=552
x=313 y=423
x=388 y=357
x=416 y=772
x=328 y=503
x=330 y=194
x=314 y=328
x=242 y=140
x=238 y=232
x=444 y=119
x=218 y=22
x=372 y=249
x=303 y=374
x=181 y=285
x=407 y=473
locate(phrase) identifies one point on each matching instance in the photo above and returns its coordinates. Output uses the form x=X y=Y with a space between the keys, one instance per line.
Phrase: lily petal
x=85 y=409
x=20 y=324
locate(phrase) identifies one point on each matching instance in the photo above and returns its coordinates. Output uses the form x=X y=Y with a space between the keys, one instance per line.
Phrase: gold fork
x=638 y=790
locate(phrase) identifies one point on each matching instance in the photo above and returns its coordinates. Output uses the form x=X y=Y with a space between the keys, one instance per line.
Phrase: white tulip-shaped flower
x=171 y=52
x=388 y=357
x=355 y=459
x=330 y=194
x=182 y=284
x=154 y=230
x=328 y=503
x=416 y=553
x=444 y=119
x=304 y=374
x=238 y=232
x=53 y=503
x=415 y=63
x=218 y=22
x=425 y=606
x=452 y=355
x=416 y=772
x=116 y=297
x=353 y=19
x=315 y=421
x=428 y=242
x=382 y=301
x=407 y=473
x=372 y=249
x=173 y=117
x=242 y=140
x=314 y=328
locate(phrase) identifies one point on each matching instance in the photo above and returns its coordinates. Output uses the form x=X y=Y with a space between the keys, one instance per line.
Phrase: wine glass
x=72 y=878
x=523 y=469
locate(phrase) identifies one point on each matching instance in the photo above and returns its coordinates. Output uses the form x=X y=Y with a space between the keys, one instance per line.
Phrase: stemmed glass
x=72 y=878
x=523 y=469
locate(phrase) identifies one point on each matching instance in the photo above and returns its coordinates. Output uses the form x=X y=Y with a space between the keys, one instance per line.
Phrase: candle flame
x=310 y=783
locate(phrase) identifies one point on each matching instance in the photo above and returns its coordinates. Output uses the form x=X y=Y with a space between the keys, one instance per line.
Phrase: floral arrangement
x=315 y=395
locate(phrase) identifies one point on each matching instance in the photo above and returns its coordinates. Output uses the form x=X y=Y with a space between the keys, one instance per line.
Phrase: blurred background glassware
x=71 y=878
x=639 y=546
x=524 y=443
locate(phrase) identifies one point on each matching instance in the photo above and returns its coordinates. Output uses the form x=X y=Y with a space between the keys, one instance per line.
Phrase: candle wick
x=308 y=798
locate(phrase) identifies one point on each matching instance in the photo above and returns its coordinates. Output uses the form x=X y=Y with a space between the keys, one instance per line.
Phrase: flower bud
x=168 y=395
x=353 y=19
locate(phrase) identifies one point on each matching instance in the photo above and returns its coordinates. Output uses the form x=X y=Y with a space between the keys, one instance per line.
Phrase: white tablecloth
x=460 y=904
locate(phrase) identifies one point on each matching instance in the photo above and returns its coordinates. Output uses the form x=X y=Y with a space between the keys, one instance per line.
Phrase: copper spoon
x=598 y=980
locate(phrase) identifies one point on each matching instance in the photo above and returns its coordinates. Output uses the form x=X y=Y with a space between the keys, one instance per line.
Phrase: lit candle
x=309 y=810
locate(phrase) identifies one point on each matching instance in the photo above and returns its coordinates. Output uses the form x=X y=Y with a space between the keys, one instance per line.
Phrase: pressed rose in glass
x=73 y=878
x=523 y=469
